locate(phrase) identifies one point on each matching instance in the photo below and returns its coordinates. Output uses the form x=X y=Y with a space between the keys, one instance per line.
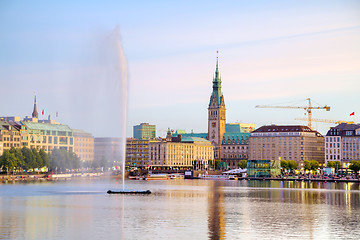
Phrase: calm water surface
x=180 y=209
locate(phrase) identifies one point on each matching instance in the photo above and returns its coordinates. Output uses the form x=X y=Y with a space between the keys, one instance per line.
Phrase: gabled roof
x=236 y=136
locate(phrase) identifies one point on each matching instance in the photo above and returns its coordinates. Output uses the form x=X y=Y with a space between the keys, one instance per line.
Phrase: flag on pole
x=214 y=162
x=352 y=114
x=43 y=112
x=57 y=114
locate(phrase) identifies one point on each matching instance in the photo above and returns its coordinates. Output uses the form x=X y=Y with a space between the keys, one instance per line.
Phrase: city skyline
x=269 y=53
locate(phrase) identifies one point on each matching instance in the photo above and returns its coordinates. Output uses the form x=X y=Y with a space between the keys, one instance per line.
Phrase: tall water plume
x=122 y=67
x=114 y=72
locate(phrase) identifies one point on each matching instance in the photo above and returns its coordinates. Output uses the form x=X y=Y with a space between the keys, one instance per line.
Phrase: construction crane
x=308 y=109
x=325 y=120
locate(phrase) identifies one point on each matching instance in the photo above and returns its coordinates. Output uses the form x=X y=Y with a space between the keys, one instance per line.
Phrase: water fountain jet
x=123 y=79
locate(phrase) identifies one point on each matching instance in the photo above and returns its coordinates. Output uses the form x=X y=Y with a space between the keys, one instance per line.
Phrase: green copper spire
x=217 y=83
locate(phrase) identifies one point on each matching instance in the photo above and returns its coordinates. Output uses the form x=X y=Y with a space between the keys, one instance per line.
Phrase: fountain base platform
x=129 y=192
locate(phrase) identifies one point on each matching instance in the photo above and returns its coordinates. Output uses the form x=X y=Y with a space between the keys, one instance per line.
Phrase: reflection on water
x=216 y=219
x=180 y=209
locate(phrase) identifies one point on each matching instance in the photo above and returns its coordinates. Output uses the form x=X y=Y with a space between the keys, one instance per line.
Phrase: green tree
x=62 y=160
x=355 y=166
x=29 y=161
x=37 y=159
x=44 y=158
x=307 y=165
x=330 y=164
x=242 y=164
x=314 y=164
x=20 y=159
x=292 y=164
x=334 y=164
x=285 y=164
x=8 y=161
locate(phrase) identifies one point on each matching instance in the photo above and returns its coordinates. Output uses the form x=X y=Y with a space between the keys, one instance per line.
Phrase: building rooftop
x=284 y=128
x=47 y=126
x=341 y=129
x=194 y=139
x=235 y=136
x=81 y=133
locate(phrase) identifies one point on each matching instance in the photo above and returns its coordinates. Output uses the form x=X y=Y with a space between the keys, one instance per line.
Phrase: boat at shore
x=219 y=177
x=157 y=177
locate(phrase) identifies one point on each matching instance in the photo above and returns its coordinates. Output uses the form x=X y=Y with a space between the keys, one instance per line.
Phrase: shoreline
x=300 y=179
x=81 y=176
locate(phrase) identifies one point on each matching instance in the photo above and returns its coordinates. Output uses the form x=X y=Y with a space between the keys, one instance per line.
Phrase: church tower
x=35 y=113
x=216 y=114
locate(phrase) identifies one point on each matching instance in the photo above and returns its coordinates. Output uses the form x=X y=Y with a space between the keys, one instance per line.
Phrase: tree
x=311 y=165
x=314 y=164
x=29 y=161
x=284 y=164
x=63 y=160
x=355 y=166
x=44 y=158
x=20 y=159
x=292 y=164
x=242 y=164
x=307 y=165
x=330 y=164
x=8 y=161
x=37 y=159
x=334 y=164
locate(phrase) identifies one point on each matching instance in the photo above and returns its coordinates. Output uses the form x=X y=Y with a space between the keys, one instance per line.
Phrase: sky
x=270 y=53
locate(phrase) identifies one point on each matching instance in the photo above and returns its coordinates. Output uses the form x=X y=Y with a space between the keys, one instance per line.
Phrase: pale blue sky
x=270 y=52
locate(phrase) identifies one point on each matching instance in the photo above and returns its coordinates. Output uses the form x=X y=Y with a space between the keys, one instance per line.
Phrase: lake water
x=180 y=209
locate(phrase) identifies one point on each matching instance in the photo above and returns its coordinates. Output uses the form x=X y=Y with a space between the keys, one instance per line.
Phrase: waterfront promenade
x=77 y=176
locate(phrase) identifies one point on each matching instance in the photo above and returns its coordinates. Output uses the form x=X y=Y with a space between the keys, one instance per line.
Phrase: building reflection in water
x=216 y=219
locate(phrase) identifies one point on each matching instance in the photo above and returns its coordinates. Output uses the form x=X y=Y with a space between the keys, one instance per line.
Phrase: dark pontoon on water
x=129 y=192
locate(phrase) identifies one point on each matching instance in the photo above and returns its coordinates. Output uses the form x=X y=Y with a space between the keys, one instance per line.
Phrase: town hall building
x=229 y=140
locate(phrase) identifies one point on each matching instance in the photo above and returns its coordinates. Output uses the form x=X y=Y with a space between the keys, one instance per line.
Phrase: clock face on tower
x=213 y=124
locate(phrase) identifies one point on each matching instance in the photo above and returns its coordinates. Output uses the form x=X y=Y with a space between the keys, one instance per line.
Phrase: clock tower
x=216 y=114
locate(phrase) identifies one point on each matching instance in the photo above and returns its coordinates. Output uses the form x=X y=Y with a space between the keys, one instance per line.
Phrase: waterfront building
x=35 y=135
x=47 y=136
x=286 y=142
x=144 y=131
x=9 y=135
x=180 y=153
x=234 y=148
x=137 y=153
x=342 y=144
x=83 y=145
x=263 y=168
x=107 y=149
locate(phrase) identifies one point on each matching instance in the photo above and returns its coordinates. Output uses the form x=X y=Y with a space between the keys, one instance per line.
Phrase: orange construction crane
x=308 y=109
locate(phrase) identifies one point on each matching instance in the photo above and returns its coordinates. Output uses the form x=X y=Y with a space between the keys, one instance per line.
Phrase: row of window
x=233 y=147
x=11 y=145
x=240 y=156
x=267 y=139
x=330 y=139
